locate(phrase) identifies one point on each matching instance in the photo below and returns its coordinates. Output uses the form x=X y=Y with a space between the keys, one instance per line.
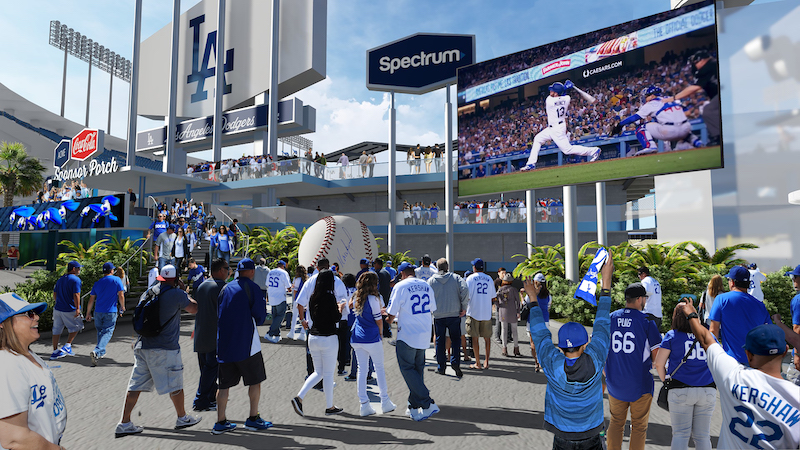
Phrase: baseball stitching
x=367 y=240
x=327 y=240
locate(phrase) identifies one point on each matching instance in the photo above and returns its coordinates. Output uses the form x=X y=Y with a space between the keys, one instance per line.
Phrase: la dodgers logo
x=201 y=72
x=38 y=394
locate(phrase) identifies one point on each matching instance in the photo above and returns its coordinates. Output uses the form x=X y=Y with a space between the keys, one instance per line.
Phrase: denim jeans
x=278 y=312
x=690 y=411
x=592 y=443
x=452 y=324
x=164 y=261
x=207 y=388
x=105 y=324
x=412 y=367
x=224 y=255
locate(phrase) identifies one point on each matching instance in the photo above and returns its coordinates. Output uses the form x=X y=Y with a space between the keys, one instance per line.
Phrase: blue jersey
x=238 y=316
x=737 y=313
x=694 y=372
x=633 y=337
x=794 y=307
x=158 y=228
x=66 y=288
x=196 y=276
x=107 y=290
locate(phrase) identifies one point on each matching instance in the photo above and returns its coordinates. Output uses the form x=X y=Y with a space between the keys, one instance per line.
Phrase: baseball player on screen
x=670 y=123
x=556 y=105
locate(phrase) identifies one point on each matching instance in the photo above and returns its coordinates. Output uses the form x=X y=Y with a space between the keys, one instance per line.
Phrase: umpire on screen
x=706 y=78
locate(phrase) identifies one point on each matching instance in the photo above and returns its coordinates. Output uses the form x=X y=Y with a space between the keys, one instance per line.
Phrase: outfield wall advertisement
x=607 y=111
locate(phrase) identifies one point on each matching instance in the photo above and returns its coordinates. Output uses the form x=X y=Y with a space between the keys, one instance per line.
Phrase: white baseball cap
x=168 y=272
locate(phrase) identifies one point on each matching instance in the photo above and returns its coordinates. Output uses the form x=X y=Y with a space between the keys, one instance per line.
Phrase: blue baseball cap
x=766 y=339
x=405 y=265
x=246 y=264
x=280 y=262
x=739 y=273
x=364 y=261
x=478 y=263
x=12 y=304
x=795 y=272
x=572 y=334
x=74 y=265
x=108 y=267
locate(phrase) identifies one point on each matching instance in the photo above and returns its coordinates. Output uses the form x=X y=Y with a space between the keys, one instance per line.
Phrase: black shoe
x=440 y=372
x=318 y=386
x=333 y=411
x=349 y=378
x=297 y=404
x=370 y=378
x=459 y=373
x=341 y=372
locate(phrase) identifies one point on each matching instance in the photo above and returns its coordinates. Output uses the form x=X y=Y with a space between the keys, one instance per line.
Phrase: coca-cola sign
x=86 y=143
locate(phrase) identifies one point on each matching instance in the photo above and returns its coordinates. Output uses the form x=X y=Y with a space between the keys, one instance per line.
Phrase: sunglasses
x=31 y=314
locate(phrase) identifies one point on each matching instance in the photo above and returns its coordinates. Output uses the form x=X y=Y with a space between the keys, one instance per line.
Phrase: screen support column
x=448 y=177
x=602 y=229
x=571 y=233
x=392 y=238
x=530 y=196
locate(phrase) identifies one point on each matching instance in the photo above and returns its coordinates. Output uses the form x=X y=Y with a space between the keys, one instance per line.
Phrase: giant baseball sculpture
x=341 y=239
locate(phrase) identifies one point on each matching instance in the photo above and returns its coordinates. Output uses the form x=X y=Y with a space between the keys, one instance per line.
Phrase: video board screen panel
x=93 y=212
x=611 y=104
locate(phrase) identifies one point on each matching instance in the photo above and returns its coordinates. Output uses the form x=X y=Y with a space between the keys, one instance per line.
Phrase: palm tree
x=724 y=258
x=20 y=174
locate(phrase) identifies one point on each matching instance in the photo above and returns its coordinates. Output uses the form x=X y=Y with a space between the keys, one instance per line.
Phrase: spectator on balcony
x=225 y=171
x=235 y=170
x=362 y=161
x=434 y=211
x=344 y=161
x=371 y=162
x=428 y=159
x=410 y=158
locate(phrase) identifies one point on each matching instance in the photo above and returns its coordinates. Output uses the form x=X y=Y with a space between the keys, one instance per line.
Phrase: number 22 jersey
x=758 y=410
x=412 y=302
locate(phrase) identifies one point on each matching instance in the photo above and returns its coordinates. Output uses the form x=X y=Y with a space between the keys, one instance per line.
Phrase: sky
x=347 y=113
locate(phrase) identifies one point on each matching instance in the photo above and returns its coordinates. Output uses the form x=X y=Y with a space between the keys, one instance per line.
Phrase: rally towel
x=588 y=285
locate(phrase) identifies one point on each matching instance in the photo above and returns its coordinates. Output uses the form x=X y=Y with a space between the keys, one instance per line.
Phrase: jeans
x=224 y=255
x=105 y=324
x=690 y=411
x=12 y=263
x=278 y=312
x=412 y=367
x=323 y=352
x=640 y=413
x=373 y=352
x=164 y=261
x=207 y=388
x=452 y=324
x=592 y=443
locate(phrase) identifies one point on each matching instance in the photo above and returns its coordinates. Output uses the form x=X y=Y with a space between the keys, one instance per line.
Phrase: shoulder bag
x=664 y=392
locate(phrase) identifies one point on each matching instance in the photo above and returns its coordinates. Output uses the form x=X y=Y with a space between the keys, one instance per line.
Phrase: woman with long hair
x=715 y=287
x=692 y=394
x=508 y=309
x=366 y=341
x=323 y=343
x=181 y=249
x=32 y=413
x=293 y=319
x=224 y=243
x=119 y=272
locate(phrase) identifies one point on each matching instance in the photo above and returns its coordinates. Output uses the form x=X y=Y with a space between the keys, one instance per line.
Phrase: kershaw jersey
x=481 y=293
x=423 y=273
x=556 y=108
x=412 y=302
x=664 y=113
x=653 y=303
x=758 y=410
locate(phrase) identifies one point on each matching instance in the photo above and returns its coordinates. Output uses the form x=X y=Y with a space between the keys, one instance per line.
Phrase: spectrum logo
x=391 y=65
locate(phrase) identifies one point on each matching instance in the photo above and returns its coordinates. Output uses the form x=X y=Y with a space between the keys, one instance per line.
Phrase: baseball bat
x=585 y=96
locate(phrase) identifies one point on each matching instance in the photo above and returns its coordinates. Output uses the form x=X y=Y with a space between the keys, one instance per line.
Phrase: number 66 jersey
x=758 y=410
x=412 y=302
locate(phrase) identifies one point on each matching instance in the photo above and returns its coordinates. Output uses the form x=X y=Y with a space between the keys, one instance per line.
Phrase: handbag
x=662 y=401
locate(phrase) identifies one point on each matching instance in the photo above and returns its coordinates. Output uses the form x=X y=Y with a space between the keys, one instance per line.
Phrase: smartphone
x=691 y=296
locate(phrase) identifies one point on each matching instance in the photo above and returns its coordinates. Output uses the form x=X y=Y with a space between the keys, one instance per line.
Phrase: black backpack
x=147 y=315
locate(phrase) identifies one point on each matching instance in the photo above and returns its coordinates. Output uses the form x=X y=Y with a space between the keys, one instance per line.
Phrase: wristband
x=693 y=315
x=605 y=292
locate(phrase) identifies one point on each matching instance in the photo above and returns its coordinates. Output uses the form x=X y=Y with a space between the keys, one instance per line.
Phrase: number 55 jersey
x=412 y=302
x=758 y=410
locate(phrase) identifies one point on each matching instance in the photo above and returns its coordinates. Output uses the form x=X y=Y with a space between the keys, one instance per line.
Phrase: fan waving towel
x=588 y=285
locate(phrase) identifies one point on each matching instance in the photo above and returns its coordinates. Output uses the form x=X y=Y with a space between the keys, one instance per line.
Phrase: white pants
x=323 y=352
x=557 y=134
x=690 y=411
x=504 y=334
x=363 y=353
x=666 y=133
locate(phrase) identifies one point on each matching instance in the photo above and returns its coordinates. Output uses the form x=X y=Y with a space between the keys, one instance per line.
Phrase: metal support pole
x=602 y=229
x=168 y=165
x=392 y=241
x=110 y=96
x=133 y=101
x=571 y=233
x=274 y=95
x=530 y=205
x=88 y=89
x=448 y=178
x=64 y=80
x=219 y=76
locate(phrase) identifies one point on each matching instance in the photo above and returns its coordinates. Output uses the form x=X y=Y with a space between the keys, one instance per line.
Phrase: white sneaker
x=387 y=406
x=528 y=167
x=301 y=336
x=595 y=155
x=290 y=335
x=273 y=339
x=429 y=411
x=367 y=410
x=124 y=429
x=187 y=421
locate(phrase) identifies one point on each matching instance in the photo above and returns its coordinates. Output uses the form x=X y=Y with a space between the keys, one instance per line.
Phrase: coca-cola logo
x=84 y=145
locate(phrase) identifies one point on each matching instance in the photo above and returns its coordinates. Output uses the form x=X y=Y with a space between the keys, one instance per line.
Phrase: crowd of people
x=74 y=190
x=510 y=126
x=344 y=319
x=512 y=210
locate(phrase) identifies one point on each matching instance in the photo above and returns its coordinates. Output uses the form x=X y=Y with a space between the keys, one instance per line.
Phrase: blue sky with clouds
x=347 y=113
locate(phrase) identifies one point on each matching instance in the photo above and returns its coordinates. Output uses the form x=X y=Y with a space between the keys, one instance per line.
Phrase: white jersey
x=653 y=304
x=339 y=290
x=278 y=282
x=664 y=113
x=424 y=273
x=556 y=108
x=481 y=293
x=758 y=410
x=756 y=278
x=412 y=302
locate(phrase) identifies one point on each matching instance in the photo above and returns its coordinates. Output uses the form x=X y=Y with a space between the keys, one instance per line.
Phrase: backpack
x=147 y=315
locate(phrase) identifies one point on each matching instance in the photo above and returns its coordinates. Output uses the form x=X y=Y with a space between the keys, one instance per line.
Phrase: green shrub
x=778 y=293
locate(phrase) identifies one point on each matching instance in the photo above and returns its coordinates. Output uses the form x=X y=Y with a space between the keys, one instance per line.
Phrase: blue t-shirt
x=628 y=365
x=158 y=228
x=794 y=307
x=107 y=291
x=196 y=276
x=694 y=371
x=544 y=303
x=738 y=313
x=66 y=287
x=223 y=242
x=365 y=329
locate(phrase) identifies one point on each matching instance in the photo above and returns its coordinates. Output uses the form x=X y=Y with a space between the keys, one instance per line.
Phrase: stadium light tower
x=85 y=49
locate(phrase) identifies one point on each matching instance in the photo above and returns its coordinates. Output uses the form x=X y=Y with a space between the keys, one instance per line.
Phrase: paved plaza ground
x=502 y=407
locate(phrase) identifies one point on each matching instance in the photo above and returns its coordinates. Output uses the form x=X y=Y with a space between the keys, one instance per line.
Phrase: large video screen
x=632 y=100
x=92 y=212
